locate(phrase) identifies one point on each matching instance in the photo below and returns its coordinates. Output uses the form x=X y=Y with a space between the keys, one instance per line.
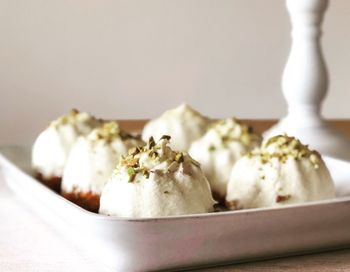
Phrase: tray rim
x=8 y=163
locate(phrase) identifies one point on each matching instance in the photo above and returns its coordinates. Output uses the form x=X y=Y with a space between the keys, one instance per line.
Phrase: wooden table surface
x=321 y=262
x=343 y=125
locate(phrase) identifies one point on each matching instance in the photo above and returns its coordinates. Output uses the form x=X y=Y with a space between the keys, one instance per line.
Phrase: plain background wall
x=137 y=58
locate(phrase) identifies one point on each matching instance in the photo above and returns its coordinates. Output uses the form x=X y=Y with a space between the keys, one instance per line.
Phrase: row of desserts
x=76 y=154
x=243 y=171
x=154 y=180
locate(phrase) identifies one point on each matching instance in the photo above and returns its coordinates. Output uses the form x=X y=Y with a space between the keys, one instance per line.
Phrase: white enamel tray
x=194 y=240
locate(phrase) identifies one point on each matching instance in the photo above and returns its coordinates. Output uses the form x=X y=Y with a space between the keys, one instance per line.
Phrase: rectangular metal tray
x=191 y=240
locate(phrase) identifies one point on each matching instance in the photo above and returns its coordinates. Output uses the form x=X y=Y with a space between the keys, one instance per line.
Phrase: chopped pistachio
x=145 y=172
x=165 y=137
x=133 y=151
x=131 y=174
x=108 y=131
x=211 y=148
x=179 y=157
x=152 y=151
x=130 y=161
x=151 y=143
x=286 y=147
x=231 y=129
x=153 y=154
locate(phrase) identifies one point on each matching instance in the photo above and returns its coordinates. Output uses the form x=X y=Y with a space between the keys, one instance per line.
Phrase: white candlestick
x=305 y=82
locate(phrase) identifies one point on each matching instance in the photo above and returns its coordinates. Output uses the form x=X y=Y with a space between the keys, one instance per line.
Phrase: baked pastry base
x=88 y=201
x=54 y=183
x=218 y=197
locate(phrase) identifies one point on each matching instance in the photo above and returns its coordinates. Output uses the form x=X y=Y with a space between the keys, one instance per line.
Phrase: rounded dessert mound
x=154 y=181
x=183 y=124
x=225 y=142
x=92 y=161
x=283 y=171
x=53 y=145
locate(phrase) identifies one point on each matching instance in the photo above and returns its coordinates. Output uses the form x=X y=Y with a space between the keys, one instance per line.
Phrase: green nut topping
x=283 y=147
x=232 y=129
x=141 y=159
x=110 y=130
x=78 y=120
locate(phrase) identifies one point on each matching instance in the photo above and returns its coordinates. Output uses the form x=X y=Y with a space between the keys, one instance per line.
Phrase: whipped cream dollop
x=155 y=181
x=93 y=158
x=183 y=124
x=283 y=171
x=225 y=142
x=53 y=145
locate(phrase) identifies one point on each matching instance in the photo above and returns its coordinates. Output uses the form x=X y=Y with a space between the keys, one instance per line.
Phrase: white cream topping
x=93 y=158
x=282 y=172
x=183 y=124
x=218 y=150
x=53 y=145
x=156 y=181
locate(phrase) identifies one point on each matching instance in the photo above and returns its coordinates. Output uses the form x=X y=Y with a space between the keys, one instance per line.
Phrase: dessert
x=183 y=124
x=92 y=161
x=283 y=171
x=155 y=181
x=53 y=145
x=220 y=147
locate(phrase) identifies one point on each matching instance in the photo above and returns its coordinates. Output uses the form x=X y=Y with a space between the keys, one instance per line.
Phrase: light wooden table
x=343 y=125
x=321 y=262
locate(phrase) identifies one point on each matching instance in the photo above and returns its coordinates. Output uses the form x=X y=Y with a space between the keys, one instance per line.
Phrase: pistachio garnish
x=145 y=172
x=211 y=148
x=165 y=137
x=283 y=147
x=179 y=157
x=231 y=129
x=110 y=131
x=151 y=143
x=140 y=160
x=131 y=174
x=66 y=119
x=133 y=151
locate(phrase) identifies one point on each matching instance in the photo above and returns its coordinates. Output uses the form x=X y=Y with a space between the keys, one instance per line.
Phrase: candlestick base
x=320 y=137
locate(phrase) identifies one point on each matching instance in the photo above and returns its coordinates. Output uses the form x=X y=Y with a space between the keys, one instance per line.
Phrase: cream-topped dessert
x=225 y=142
x=92 y=161
x=183 y=124
x=283 y=171
x=53 y=145
x=155 y=181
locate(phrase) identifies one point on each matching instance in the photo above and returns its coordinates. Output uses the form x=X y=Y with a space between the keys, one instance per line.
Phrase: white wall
x=136 y=58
